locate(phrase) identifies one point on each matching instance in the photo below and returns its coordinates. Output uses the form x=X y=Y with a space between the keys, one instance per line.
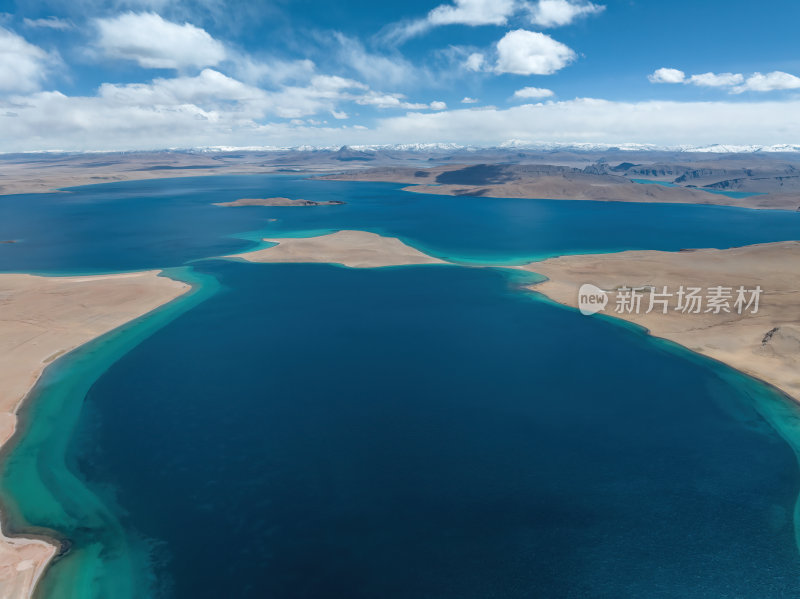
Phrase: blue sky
x=146 y=74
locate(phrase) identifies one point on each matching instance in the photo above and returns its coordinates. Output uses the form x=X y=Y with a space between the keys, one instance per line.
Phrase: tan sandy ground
x=356 y=249
x=42 y=318
x=765 y=345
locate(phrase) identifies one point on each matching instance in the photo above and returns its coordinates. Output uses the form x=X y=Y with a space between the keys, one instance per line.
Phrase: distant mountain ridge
x=349 y=150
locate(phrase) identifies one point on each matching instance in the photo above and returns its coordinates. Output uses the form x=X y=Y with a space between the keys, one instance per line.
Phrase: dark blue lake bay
x=306 y=431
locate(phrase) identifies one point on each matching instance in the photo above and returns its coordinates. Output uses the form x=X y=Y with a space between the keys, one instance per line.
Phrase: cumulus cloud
x=468 y=100
x=776 y=80
x=715 y=79
x=665 y=75
x=23 y=66
x=154 y=42
x=203 y=109
x=524 y=52
x=527 y=93
x=557 y=13
x=736 y=82
x=209 y=91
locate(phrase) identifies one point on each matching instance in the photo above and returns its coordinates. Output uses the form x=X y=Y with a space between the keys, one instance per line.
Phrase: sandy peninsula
x=42 y=318
x=278 y=202
x=356 y=249
x=765 y=345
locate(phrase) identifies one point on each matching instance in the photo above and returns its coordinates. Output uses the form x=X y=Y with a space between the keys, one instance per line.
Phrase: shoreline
x=359 y=249
x=764 y=346
x=540 y=187
x=105 y=303
x=717 y=336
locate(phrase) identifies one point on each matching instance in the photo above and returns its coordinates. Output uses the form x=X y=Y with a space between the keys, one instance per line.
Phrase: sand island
x=278 y=202
x=356 y=249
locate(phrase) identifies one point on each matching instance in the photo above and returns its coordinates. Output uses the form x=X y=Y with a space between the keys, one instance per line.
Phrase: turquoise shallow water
x=402 y=432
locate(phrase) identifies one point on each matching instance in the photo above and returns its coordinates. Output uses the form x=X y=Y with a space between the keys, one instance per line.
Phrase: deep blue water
x=433 y=432
x=147 y=224
x=425 y=432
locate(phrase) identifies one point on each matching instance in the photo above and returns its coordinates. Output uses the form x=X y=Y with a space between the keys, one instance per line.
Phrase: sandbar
x=356 y=249
x=277 y=202
x=41 y=319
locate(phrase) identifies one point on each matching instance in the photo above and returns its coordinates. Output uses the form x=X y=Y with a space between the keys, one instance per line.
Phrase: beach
x=42 y=319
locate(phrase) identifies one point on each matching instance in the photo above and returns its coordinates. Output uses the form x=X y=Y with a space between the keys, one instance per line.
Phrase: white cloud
x=472 y=12
x=543 y=13
x=601 y=121
x=381 y=100
x=23 y=66
x=475 y=62
x=50 y=120
x=394 y=100
x=49 y=23
x=460 y=12
x=209 y=90
x=533 y=92
x=531 y=53
x=715 y=79
x=777 y=80
x=557 y=13
x=468 y=100
x=154 y=42
x=665 y=75
x=322 y=94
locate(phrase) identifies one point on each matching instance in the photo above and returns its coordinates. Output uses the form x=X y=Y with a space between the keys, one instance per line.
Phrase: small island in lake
x=277 y=202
